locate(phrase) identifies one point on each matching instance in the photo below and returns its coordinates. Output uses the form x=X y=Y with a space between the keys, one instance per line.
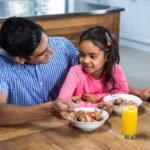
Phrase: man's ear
x=19 y=60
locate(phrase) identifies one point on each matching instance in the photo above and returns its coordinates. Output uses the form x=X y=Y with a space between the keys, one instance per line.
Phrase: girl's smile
x=87 y=68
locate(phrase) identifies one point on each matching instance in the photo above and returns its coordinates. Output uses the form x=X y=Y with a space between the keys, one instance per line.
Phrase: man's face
x=42 y=53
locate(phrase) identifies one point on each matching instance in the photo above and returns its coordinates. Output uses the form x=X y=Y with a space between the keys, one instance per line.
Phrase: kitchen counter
x=49 y=9
x=66 y=18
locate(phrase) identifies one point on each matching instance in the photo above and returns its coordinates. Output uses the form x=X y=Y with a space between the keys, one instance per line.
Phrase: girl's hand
x=90 y=98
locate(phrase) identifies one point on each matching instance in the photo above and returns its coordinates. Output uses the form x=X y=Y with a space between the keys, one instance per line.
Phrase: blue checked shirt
x=34 y=84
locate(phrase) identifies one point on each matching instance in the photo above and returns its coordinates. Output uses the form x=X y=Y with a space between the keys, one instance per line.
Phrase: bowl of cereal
x=88 y=119
x=118 y=99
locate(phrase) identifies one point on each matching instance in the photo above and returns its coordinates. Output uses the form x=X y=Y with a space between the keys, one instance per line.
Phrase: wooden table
x=56 y=134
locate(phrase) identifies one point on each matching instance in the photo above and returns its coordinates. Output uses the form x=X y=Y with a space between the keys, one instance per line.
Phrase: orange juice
x=129 y=120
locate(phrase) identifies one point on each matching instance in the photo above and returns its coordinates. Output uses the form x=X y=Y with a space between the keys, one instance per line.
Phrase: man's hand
x=61 y=108
x=90 y=98
x=108 y=106
x=145 y=93
x=142 y=93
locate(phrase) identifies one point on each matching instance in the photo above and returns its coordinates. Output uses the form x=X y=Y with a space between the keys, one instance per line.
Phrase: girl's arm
x=121 y=81
x=69 y=85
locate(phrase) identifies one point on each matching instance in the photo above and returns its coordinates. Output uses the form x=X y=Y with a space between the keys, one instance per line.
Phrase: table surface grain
x=57 y=134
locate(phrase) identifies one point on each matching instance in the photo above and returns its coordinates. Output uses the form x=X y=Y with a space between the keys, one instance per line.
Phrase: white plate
x=117 y=109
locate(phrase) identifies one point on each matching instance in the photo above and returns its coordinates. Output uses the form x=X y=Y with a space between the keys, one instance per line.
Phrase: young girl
x=97 y=75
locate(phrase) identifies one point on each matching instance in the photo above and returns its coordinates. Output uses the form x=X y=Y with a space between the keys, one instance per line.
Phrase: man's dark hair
x=20 y=36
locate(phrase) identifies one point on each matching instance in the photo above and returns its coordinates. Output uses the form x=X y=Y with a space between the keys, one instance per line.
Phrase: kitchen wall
x=134 y=22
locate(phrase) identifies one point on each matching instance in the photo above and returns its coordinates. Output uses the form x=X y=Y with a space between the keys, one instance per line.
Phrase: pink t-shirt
x=79 y=82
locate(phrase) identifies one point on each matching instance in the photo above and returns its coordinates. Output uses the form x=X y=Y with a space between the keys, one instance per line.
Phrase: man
x=142 y=93
x=33 y=68
x=30 y=74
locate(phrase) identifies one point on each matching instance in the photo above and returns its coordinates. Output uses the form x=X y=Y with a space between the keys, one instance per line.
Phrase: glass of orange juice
x=129 y=120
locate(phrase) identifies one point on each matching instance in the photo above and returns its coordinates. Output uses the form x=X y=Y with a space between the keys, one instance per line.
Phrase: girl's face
x=92 y=59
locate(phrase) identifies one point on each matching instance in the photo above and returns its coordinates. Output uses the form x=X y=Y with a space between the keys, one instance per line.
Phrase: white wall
x=134 y=22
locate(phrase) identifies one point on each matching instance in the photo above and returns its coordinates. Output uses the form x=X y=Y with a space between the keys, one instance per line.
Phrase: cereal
x=86 y=116
x=120 y=100
x=76 y=99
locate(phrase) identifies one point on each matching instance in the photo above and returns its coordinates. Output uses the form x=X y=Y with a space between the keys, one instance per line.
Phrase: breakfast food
x=120 y=100
x=86 y=116
x=76 y=99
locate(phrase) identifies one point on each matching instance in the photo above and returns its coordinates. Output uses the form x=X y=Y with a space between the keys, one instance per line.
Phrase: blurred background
x=134 y=36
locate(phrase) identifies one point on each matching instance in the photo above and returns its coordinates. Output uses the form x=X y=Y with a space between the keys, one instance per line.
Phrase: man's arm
x=142 y=93
x=13 y=114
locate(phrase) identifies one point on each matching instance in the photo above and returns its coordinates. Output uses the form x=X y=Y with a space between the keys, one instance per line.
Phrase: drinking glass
x=129 y=120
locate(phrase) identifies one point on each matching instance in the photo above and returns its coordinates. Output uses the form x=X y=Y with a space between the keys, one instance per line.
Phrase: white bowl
x=117 y=109
x=89 y=126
